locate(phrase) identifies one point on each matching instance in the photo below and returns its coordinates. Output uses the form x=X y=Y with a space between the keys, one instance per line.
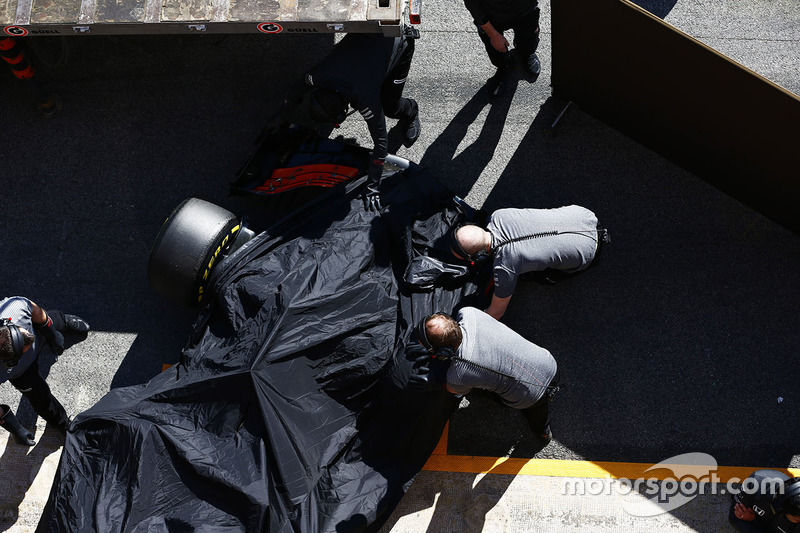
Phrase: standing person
x=474 y=351
x=566 y=239
x=768 y=502
x=493 y=18
x=368 y=72
x=24 y=331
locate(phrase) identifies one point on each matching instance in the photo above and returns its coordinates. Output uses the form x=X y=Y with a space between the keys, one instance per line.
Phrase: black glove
x=416 y=352
x=372 y=199
x=428 y=377
x=53 y=337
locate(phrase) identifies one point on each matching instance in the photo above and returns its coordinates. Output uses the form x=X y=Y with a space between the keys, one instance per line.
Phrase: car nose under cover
x=288 y=410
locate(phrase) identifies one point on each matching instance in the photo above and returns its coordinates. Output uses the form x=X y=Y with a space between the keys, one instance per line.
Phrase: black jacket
x=356 y=68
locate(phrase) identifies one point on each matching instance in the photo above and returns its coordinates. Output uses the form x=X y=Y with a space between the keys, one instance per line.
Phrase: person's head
x=791 y=505
x=14 y=342
x=469 y=240
x=326 y=106
x=441 y=331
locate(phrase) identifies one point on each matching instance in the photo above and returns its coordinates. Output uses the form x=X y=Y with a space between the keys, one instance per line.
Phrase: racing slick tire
x=193 y=239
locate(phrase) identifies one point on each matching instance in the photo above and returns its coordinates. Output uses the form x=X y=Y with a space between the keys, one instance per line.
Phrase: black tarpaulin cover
x=288 y=410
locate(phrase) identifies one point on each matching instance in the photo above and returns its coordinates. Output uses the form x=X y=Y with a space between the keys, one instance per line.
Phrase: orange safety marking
x=580 y=469
x=441 y=447
x=440 y=461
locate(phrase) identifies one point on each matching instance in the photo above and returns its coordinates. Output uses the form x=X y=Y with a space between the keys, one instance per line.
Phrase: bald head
x=472 y=239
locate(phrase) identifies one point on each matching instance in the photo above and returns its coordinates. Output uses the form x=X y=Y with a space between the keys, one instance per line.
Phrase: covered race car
x=289 y=409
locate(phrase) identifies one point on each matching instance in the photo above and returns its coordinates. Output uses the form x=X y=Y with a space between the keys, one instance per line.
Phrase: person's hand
x=53 y=337
x=417 y=353
x=499 y=42
x=430 y=376
x=425 y=380
x=742 y=512
x=372 y=199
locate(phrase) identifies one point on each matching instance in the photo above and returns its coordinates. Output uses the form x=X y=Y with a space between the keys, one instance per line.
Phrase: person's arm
x=38 y=315
x=498 y=40
x=498 y=307
x=481 y=19
x=376 y=123
x=451 y=391
x=743 y=512
x=44 y=325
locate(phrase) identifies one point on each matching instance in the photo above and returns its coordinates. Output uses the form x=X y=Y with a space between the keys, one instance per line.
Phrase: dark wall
x=719 y=120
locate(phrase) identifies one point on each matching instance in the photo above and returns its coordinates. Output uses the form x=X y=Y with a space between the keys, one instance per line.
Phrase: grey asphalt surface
x=683 y=340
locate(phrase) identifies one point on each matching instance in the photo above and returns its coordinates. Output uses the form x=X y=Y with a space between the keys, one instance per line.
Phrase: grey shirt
x=494 y=357
x=571 y=249
x=19 y=310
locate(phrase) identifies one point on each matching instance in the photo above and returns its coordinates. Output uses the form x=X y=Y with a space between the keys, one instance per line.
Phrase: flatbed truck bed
x=20 y=18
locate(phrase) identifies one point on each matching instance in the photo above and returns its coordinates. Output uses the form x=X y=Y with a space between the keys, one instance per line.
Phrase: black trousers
x=538 y=415
x=392 y=101
x=526 y=38
x=33 y=386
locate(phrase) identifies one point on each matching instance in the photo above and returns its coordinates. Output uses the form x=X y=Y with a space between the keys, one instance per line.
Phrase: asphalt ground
x=684 y=339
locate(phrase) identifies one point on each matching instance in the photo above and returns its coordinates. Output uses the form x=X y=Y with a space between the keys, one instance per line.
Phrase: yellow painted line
x=579 y=469
x=441 y=462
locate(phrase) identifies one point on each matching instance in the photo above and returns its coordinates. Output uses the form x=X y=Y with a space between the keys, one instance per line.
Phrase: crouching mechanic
x=24 y=331
x=769 y=501
x=368 y=72
x=474 y=351
x=518 y=241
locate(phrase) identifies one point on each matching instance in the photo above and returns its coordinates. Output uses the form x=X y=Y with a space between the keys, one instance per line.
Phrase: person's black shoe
x=412 y=133
x=9 y=421
x=534 y=67
x=413 y=128
x=76 y=324
x=545 y=435
x=495 y=83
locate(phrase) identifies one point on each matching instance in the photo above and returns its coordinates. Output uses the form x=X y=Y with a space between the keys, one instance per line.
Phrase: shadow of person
x=474 y=158
x=461 y=501
x=21 y=466
x=466 y=499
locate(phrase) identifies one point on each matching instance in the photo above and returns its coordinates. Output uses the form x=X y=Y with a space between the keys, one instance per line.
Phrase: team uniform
x=369 y=72
x=495 y=358
x=532 y=240
x=24 y=376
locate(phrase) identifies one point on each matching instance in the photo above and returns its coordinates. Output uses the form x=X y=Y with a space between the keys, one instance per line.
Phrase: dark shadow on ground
x=25 y=462
x=680 y=337
x=659 y=8
x=462 y=500
x=90 y=253
x=441 y=154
